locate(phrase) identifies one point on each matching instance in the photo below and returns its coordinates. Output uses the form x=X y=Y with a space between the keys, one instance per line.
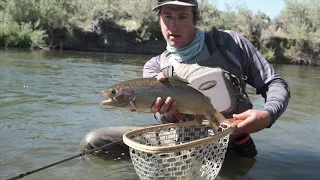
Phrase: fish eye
x=113 y=91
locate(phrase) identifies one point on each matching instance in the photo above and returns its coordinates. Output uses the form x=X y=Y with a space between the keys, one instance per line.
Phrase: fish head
x=118 y=96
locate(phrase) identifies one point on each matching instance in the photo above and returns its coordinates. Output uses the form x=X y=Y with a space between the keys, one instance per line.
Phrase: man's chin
x=175 y=43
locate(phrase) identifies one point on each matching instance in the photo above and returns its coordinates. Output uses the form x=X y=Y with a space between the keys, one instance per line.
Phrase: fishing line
x=64 y=160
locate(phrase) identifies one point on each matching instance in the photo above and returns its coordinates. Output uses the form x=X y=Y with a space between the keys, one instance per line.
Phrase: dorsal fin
x=177 y=78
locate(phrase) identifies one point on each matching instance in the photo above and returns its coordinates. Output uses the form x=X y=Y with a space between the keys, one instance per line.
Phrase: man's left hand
x=253 y=121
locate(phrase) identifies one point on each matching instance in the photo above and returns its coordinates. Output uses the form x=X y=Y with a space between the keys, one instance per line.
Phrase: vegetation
x=293 y=36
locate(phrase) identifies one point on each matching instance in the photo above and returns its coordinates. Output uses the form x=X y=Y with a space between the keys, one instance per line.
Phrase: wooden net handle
x=231 y=122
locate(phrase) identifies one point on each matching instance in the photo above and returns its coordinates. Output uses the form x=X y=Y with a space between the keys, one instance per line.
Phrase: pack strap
x=209 y=44
x=220 y=45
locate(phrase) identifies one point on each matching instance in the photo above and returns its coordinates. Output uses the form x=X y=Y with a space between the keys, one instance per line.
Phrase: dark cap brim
x=179 y=3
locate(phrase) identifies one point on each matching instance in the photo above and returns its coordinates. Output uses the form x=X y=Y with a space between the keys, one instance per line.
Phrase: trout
x=140 y=94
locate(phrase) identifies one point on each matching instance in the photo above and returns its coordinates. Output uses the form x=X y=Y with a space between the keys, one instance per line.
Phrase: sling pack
x=228 y=95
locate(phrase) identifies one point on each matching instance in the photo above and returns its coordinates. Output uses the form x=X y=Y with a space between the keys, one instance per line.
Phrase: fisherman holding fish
x=217 y=63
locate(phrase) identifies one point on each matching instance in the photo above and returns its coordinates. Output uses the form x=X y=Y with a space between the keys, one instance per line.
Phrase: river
x=49 y=100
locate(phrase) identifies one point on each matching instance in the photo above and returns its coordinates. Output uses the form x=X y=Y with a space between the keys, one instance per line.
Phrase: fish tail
x=219 y=117
x=214 y=127
x=215 y=121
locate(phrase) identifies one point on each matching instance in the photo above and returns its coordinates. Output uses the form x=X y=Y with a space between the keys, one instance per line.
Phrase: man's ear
x=158 y=16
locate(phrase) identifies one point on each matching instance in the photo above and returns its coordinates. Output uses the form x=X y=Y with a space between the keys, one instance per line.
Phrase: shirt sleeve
x=151 y=69
x=261 y=75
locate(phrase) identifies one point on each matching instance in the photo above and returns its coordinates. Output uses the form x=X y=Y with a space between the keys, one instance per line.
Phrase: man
x=225 y=52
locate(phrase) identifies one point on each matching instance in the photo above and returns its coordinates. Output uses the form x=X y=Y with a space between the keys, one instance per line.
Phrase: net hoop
x=157 y=149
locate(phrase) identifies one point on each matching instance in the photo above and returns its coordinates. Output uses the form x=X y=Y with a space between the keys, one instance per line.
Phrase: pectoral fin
x=133 y=104
x=199 y=118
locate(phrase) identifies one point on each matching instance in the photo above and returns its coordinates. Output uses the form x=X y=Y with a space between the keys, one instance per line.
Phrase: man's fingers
x=242 y=116
x=172 y=110
x=165 y=106
x=161 y=77
x=246 y=125
x=156 y=105
x=253 y=121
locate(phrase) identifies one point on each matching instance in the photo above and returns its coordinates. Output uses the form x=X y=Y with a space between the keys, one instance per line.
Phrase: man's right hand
x=167 y=106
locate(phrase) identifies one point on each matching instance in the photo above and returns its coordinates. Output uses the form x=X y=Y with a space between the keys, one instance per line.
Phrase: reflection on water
x=50 y=100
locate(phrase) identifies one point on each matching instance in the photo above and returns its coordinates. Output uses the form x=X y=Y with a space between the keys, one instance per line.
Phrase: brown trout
x=141 y=93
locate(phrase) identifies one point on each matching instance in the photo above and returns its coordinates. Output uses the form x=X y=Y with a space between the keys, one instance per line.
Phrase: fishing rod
x=64 y=160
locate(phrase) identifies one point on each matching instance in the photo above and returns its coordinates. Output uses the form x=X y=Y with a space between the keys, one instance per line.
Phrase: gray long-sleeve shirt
x=260 y=73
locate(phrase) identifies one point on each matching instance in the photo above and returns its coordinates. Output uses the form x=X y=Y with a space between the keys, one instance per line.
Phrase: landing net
x=183 y=151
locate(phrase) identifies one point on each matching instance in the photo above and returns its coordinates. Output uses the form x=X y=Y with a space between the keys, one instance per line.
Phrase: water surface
x=50 y=100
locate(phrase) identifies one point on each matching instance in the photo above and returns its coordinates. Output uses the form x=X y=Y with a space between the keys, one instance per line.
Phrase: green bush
x=23 y=35
x=24 y=23
x=300 y=21
x=268 y=54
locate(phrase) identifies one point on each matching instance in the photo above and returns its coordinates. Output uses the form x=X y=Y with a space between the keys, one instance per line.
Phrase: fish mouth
x=113 y=102
x=107 y=102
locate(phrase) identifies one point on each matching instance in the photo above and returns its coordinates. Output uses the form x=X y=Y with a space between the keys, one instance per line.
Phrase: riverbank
x=293 y=37
x=117 y=40
x=112 y=40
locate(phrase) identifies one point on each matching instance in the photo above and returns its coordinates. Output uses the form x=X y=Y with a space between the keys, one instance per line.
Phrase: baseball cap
x=175 y=2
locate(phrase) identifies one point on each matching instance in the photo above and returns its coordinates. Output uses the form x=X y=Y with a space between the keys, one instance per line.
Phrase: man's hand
x=167 y=106
x=253 y=121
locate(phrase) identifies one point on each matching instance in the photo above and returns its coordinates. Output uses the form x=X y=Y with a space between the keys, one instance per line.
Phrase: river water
x=50 y=100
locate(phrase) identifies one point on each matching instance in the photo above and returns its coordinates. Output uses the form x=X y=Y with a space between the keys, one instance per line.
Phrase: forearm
x=277 y=98
x=262 y=76
x=151 y=68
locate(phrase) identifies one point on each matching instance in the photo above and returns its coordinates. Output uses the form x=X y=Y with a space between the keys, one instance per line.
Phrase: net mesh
x=198 y=162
